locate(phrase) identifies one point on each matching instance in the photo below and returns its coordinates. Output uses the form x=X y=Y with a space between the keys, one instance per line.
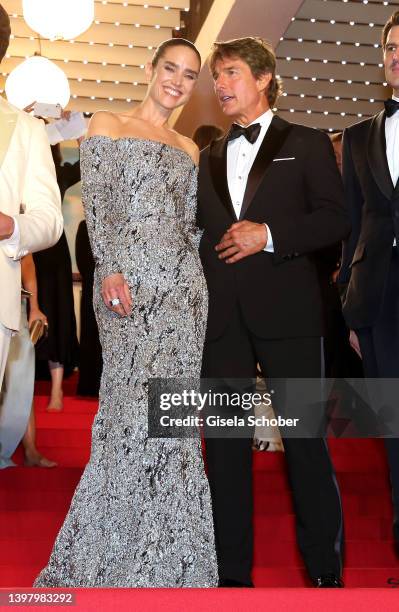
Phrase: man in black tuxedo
x=270 y=195
x=370 y=263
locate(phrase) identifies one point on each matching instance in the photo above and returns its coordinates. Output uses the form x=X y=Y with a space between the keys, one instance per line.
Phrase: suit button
x=296 y=254
x=396 y=213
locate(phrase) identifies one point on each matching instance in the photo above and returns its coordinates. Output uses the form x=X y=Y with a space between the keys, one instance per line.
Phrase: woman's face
x=173 y=78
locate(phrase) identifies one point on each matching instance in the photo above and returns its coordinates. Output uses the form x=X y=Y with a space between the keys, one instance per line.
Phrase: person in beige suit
x=27 y=181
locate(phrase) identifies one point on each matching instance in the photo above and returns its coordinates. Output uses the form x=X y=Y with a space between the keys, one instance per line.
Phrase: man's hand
x=115 y=287
x=6 y=226
x=242 y=239
x=354 y=342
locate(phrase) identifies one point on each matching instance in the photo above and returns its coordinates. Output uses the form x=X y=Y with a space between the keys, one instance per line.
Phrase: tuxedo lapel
x=272 y=143
x=8 y=121
x=218 y=168
x=377 y=155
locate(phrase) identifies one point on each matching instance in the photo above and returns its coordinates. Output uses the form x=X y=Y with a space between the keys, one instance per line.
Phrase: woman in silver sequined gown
x=141 y=515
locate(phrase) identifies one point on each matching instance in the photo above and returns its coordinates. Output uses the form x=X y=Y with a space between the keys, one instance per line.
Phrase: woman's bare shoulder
x=103 y=123
x=190 y=147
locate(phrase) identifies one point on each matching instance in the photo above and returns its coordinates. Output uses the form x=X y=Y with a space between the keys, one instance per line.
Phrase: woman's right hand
x=35 y=314
x=114 y=287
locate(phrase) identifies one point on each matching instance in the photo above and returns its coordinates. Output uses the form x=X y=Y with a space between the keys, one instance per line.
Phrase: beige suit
x=27 y=178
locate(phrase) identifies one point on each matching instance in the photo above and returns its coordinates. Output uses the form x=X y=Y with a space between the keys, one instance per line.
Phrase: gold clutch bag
x=37 y=331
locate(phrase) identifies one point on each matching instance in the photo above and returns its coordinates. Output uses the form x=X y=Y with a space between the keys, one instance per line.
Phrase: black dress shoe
x=234 y=584
x=328 y=581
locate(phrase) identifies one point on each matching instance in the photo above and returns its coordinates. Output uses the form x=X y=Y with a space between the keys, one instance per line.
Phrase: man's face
x=240 y=94
x=391 y=59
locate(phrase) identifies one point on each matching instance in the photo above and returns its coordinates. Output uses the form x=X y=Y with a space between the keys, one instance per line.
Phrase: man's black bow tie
x=391 y=106
x=251 y=132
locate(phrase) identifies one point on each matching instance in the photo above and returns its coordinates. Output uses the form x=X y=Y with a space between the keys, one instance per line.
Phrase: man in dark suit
x=370 y=265
x=269 y=196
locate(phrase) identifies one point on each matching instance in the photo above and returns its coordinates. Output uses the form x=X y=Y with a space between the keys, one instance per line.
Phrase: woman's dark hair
x=204 y=134
x=5 y=32
x=173 y=42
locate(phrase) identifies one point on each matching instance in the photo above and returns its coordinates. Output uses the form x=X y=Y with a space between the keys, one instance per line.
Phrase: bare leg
x=57 y=374
x=32 y=455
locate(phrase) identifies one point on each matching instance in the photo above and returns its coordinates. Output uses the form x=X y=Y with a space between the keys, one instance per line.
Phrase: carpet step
x=357 y=504
x=73 y=438
x=33 y=524
x=294 y=577
x=14 y=576
x=283 y=554
x=30 y=525
x=263 y=577
x=349 y=482
x=72 y=422
x=43 y=387
x=72 y=405
x=57 y=498
x=357 y=554
x=27 y=479
x=282 y=528
x=65 y=456
x=370 y=462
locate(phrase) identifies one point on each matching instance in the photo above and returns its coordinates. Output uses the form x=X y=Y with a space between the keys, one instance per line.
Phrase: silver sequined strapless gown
x=141 y=515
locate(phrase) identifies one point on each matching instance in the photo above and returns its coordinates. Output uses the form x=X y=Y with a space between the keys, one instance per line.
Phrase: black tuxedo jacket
x=294 y=186
x=373 y=204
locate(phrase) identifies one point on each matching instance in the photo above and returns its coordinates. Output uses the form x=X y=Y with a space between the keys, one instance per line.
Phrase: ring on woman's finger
x=115 y=302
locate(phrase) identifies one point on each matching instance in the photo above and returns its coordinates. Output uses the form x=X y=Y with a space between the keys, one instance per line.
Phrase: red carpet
x=33 y=503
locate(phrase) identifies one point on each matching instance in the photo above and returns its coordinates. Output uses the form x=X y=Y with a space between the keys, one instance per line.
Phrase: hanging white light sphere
x=37 y=80
x=58 y=19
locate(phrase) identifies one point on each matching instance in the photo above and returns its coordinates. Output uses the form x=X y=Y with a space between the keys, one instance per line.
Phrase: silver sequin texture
x=141 y=515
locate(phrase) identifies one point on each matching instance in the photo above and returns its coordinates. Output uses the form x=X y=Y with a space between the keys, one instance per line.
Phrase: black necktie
x=391 y=106
x=251 y=132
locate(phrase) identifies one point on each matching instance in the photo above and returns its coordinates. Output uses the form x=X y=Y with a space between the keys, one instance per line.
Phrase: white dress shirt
x=241 y=155
x=392 y=143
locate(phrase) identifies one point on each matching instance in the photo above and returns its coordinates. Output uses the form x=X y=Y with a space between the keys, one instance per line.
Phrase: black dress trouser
x=379 y=346
x=316 y=496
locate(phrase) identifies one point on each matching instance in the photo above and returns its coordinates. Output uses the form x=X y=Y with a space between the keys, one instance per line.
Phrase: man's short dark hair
x=255 y=52
x=391 y=23
x=5 y=32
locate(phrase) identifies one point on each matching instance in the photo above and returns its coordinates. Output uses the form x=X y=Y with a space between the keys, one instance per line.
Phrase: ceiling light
x=55 y=20
x=39 y=79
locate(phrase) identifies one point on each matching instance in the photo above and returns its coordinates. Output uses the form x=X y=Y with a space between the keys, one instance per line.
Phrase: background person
x=370 y=262
x=27 y=177
x=60 y=350
x=17 y=415
x=270 y=195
